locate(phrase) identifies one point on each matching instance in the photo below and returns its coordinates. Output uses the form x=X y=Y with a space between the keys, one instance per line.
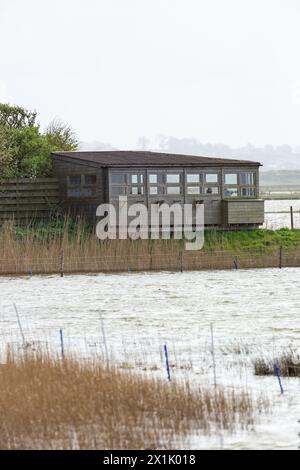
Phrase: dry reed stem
x=84 y=253
x=288 y=364
x=46 y=403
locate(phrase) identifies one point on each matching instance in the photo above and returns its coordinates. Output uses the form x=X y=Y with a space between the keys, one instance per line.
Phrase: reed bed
x=47 y=403
x=53 y=250
x=288 y=365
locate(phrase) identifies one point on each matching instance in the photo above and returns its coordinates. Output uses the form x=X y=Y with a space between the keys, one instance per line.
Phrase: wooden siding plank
x=27 y=198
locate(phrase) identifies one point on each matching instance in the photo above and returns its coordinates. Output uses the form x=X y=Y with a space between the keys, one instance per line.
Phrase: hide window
x=87 y=192
x=173 y=190
x=248 y=192
x=153 y=190
x=74 y=186
x=193 y=181
x=211 y=178
x=173 y=186
x=74 y=180
x=118 y=190
x=194 y=190
x=136 y=179
x=136 y=190
x=156 y=183
x=247 y=178
x=231 y=192
x=231 y=178
x=118 y=178
x=118 y=186
x=153 y=179
x=74 y=192
x=136 y=186
x=193 y=178
x=81 y=185
x=212 y=190
x=90 y=179
x=173 y=178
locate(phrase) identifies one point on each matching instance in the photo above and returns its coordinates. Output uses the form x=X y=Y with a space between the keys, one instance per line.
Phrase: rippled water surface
x=254 y=313
x=274 y=221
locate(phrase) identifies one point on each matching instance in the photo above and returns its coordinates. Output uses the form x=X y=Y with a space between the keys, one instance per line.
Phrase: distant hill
x=281 y=158
x=95 y=145
x=280 y=177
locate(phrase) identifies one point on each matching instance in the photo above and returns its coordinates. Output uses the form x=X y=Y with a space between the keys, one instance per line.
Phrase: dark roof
x=149 y=159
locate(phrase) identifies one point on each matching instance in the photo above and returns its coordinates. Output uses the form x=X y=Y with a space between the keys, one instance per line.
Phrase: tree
x=25 y=151
x=61 y=136
x=7 y=153
x=16 y=117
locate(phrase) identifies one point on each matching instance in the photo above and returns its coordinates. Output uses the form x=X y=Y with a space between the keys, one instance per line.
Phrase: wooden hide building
x=229 y=188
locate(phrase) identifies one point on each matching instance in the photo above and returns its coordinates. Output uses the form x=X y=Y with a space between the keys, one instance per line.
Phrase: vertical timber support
x=292 y=217
x=280 y=257
x=62 y=262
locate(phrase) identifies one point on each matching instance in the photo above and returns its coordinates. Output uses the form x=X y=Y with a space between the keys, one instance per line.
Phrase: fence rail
x=25 y=198
x=71 y=263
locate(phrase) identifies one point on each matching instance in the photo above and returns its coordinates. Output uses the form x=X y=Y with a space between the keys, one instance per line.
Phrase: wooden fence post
x=292 y=218
x=280 y=257
x=181 y=260
x=62 y=260
x=235 y=263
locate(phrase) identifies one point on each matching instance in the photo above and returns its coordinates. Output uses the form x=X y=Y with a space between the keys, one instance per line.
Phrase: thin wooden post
x=213 y=353
x=181 y=260
x=292 y=217
x=62 y=262
x=235 y=263
x=280 y=257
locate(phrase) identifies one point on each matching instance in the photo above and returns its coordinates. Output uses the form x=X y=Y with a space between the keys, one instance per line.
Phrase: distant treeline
x=282 y=157
x=283 y=177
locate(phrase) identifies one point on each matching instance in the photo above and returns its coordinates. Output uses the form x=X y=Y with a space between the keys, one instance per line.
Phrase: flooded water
x=281 y=220
x=254 y=313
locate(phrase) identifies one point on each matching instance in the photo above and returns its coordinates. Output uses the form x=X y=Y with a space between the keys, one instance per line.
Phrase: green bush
x=25 y=151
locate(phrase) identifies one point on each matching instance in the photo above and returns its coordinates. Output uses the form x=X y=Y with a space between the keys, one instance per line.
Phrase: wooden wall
x=84 y=207
x=26 y=199
x=242 y=211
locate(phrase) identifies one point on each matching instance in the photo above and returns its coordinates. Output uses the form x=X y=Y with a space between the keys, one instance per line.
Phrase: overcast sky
x=219 y=71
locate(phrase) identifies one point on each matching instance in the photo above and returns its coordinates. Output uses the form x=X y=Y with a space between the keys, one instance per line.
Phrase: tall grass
x=38 y=248
x=46 y=403
x=288 y=363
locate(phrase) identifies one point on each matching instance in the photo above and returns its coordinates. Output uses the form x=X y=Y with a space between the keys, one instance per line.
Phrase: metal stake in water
x=213 y=353
x=62 y=348
x=19 y=323
x=277 y=371
x=167 y=362
x=104 y=338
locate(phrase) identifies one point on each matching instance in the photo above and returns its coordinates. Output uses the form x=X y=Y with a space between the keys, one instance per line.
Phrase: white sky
x=219 y=71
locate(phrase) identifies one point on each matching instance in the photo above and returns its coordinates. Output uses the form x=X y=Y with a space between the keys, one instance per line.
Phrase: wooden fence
x=280 y=191
x=24 y=199
x=48 y=259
